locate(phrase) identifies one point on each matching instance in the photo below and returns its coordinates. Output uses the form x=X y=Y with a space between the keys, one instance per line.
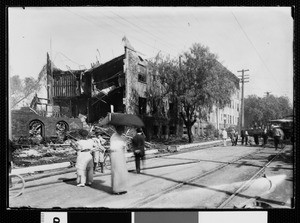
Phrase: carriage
x=287 y=126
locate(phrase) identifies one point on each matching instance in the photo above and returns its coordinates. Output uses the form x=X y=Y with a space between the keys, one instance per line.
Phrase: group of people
x=277 y=134
x=91 y=151
x=233 y=136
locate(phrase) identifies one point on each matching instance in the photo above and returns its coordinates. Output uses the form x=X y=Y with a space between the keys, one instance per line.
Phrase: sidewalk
x=43 y=171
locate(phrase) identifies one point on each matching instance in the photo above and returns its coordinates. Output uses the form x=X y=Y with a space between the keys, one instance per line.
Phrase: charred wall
x=136 y=81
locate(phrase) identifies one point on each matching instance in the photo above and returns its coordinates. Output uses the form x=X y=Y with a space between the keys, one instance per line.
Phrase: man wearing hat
x=138 y=143
x=278 y=136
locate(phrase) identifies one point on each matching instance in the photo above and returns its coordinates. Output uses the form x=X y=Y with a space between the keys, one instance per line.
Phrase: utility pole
x=244 y=79
x=177 y=116
x=268 y=93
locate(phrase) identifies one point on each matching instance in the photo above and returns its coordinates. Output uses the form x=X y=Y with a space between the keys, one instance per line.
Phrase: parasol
x=122 y=119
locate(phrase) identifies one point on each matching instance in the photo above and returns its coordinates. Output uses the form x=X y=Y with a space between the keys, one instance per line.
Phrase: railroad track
x=248 y=183
x=230 y=195
x=225 y=201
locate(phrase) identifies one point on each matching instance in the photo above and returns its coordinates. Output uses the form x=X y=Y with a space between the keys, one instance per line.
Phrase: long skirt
x=118 y=171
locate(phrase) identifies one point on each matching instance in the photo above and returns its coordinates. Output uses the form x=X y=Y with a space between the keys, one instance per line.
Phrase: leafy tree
x=261 y=110
x=156 y=90
x=197 y=83
x=22 y=89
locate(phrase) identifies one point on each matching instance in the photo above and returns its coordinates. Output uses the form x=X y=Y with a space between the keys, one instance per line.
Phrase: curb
x=32 y=169
x=60 y=168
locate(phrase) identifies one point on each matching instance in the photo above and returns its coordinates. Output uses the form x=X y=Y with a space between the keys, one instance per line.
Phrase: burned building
x=118 y=85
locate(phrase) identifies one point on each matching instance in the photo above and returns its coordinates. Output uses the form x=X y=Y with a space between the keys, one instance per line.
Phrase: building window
x=142 y=78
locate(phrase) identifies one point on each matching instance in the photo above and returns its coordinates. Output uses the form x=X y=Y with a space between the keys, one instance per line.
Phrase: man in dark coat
x=244 y=136
x=256 y=135
x=138 y=143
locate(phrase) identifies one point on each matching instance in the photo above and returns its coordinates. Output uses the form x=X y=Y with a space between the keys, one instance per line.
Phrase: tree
x=197 y=84
x=156 y=91
x=261 y=110
x=22 y=89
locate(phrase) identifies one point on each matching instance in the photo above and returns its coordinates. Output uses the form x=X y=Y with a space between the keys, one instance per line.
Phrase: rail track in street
x=230 y=195
x=216 y=177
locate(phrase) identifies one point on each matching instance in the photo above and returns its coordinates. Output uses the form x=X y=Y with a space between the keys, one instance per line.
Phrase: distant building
x=229 y=116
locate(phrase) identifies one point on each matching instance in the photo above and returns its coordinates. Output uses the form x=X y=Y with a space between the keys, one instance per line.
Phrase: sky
x=258 y=39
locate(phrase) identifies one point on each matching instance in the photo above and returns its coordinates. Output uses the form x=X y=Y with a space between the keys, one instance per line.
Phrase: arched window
x=36 y=128
x=61 y=127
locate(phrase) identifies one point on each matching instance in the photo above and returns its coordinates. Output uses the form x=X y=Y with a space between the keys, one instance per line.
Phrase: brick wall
x=133 y=66
x=20 y=120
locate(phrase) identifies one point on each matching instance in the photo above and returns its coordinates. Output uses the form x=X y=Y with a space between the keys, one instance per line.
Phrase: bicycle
x=106 y=159
x=106 y=162
x=16 y=185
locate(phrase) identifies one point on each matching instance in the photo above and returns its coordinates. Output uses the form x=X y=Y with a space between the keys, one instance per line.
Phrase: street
x=216 y=177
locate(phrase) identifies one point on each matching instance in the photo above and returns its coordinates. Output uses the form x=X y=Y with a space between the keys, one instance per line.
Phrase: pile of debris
x=40 y=154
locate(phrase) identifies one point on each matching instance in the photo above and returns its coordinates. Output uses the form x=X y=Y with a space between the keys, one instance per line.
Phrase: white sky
x=257 y=38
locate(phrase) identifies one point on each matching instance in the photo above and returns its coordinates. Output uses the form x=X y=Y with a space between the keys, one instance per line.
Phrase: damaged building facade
x=74 y=98
x=119 y=85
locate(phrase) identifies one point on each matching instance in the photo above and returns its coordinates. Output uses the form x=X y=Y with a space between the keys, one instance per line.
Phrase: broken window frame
x=142 y=78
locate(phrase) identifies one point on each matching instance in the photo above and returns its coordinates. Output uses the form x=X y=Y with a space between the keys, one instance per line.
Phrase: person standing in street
x=231 y=135
x=256 y=135
x=84 y=162
x=236 y=138
x=224 y=136
x=243 y=137
x=265 y=137
x=138 y=143
x=118 y=162
x=98 y=152
x=278 y=137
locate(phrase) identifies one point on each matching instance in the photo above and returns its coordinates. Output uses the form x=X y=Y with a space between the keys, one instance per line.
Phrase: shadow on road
x=212 y=189
x=97 y=184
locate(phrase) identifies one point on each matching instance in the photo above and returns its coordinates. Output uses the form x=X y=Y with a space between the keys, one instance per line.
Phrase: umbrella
x=122 y=119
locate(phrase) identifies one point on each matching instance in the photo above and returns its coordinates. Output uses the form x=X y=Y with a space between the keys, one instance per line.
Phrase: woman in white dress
x=118 y=162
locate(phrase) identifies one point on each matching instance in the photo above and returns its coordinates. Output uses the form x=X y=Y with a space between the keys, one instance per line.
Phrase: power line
x=117 y=34
x=253 y=46
x=69 y=58
x=158 y=31
x=155 y=37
